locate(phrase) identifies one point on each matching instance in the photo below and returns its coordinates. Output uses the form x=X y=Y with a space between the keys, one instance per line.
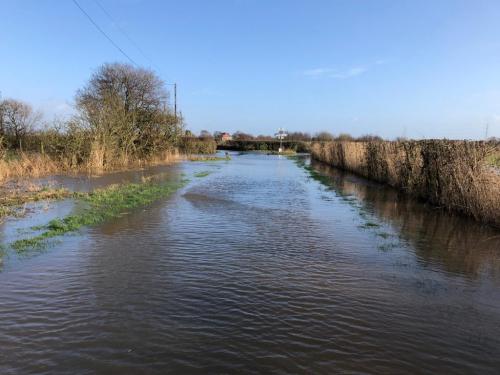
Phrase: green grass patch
x=100 y=206
x=202 y=174
x=494 y=160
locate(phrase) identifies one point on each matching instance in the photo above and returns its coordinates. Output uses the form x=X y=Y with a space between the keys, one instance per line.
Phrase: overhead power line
x=128 y=37
x=103 y=33
x=125 y=34
x=118 y=47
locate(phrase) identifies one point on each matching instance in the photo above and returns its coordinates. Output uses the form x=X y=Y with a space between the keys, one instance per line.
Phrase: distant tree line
x=323 y=136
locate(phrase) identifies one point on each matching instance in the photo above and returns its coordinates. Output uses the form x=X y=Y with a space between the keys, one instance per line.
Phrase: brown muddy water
x=256 y=268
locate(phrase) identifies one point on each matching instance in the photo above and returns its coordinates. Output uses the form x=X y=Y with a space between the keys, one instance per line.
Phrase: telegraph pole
x=175 y=100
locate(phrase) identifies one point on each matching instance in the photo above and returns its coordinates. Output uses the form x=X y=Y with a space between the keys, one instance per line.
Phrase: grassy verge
x=102 y=205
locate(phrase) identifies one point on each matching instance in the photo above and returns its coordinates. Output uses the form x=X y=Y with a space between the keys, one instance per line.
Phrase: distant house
x=226 y=137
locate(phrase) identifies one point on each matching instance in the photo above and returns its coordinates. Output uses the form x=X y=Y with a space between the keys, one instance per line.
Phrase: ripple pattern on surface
x=238 y=273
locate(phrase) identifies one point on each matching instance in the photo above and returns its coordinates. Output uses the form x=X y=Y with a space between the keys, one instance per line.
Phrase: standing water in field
x=260 y=264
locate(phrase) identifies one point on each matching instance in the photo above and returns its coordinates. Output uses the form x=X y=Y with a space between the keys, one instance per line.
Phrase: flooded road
x=257 y=268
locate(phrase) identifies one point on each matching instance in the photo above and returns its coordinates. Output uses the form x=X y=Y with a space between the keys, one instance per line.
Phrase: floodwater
x=256 y=268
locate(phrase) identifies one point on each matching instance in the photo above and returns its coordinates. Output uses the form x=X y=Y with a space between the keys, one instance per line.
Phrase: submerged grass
x=313 y=173
x=102 y=205
x=286 y=152
x=209 y=158
x=366 y=217
x=384 y=235
x=388 y=246
x=369 y=224
x=202 y=174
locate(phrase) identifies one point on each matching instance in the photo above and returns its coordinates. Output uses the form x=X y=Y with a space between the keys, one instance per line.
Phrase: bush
x=193 y=145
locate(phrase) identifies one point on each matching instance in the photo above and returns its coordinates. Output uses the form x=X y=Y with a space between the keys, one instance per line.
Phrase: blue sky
x=414 y=68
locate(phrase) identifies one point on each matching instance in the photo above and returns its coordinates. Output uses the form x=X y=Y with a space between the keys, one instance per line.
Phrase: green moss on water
x=102 y=205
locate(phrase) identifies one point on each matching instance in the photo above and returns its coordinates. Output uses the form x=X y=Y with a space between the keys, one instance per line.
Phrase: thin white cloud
x=317 y=72
x=351 y=72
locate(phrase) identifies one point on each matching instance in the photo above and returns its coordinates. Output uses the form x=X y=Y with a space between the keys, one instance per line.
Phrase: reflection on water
x=257 y=268
x=458 y=244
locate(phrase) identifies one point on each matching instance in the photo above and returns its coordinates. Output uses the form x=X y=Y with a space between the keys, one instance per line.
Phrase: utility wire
x=103 y=33
x=129 y=38
x=118 y=47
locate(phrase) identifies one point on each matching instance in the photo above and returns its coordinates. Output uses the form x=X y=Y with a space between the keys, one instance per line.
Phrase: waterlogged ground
x=257 y=265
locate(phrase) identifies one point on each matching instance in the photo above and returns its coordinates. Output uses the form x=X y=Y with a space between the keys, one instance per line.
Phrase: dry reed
x=34 y=165
x=454 y=175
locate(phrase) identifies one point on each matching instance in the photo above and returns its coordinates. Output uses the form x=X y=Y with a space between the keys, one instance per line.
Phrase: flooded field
x=257 y=265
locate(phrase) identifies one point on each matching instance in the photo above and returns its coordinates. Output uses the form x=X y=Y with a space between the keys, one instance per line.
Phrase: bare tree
x=18 y=119
x=125 y=109
x=2 y=126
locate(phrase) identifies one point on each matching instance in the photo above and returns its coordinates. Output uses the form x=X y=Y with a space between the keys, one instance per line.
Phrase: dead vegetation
x=15 y=196
x=455 y=175
x=25 y=165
